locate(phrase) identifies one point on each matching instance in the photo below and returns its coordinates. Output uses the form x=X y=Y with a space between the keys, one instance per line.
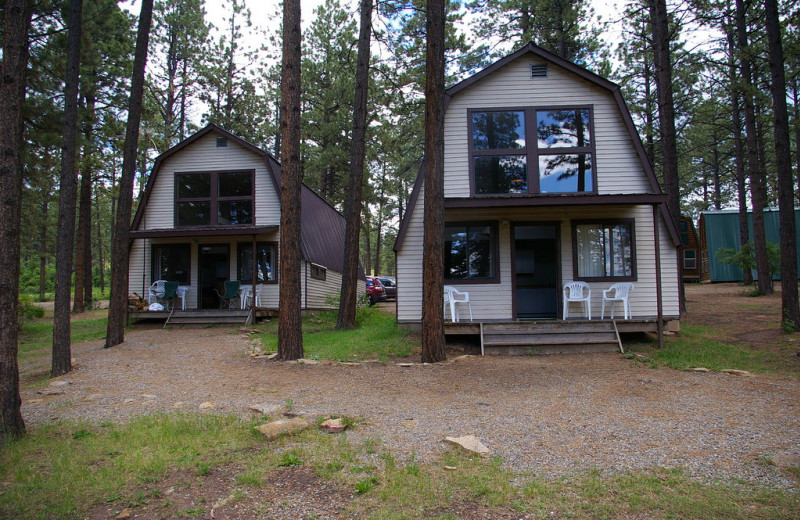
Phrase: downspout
x=254 y=276
x=659 y=305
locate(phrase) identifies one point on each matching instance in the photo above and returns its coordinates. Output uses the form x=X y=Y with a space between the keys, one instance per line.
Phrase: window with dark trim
x=690 y=258
x=684 y=231
x=171 y=262
x=214 y=198
x=266 y=262
x=604 y=250
x=470 y=252
x=318 y=272
x=533 y=150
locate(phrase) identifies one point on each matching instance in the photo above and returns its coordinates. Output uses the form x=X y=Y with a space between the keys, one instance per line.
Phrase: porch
x=204 y=317
x=549 y=336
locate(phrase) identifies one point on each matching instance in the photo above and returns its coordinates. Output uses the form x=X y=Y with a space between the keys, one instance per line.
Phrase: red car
x=375 y=290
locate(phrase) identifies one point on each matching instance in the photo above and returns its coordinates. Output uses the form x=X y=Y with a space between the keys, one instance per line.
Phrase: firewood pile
x=136 y=303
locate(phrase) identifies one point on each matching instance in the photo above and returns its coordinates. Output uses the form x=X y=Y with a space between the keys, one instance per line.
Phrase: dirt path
x=551 y=414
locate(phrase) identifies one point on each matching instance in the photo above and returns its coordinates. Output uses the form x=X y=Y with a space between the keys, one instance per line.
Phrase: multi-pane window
x=557 y=158
x=690 y=259
x=470 y=252
x=214 y=198
x=604 y=250
x=318 y=272
x=171 y=263
x=265 y=262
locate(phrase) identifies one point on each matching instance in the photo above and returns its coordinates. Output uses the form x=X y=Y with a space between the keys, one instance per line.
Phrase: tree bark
x=83 y=251
x=352 y=205
x=790 y=316
x=433 y=341
x=12 y=96
x=43 y=247
x=100 y=258
x=758 y=195
x=290 y=326
x=62 y=352
x=659 y=21
x=118 y=304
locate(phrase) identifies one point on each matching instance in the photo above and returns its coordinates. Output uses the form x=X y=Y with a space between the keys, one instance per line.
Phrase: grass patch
x=376 y=337
x=62 y=470
x=694 y=347
x=37 y=335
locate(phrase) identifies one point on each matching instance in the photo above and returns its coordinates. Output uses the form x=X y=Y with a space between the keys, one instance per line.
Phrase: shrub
x=745 y=258
x=27 y=310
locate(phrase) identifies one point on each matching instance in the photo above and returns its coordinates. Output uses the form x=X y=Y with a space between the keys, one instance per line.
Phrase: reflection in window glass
x=171 y=263
x=565 y=173
x=235 y=184
x=498 y=130
x=193 y=186
x=501 y=174
x=196 y=213
x=468 y=253
x=563 y=128
x=234 y=212
x=604 y=250
x=265 y=257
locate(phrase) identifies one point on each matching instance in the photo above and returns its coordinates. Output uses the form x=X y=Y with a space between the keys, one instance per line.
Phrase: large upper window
x=213 y=198
x=265 y=262
x=604 y=250
x=171 y=263
x=531 y=151
x=470 y=252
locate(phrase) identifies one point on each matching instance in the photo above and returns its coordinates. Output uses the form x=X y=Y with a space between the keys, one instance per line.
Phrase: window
x=470 y=252
x=531 y=151
x=213 y=198
x=684 y=229
x=604 y=250
x=265 y=262
x=171 y=262
x=690 y=259
x=318 y=272
x=222 y=142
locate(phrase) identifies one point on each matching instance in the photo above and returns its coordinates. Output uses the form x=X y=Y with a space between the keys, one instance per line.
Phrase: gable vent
x=222 y=142
x=539 y=70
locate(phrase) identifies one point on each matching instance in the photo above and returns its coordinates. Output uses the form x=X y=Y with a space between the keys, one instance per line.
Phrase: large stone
x=703 y=370
x=735 y=372
x=266 y=408
x=333 y=426
x=207 y=405
x=469 y=443
x=275 y=429
x=125 y=514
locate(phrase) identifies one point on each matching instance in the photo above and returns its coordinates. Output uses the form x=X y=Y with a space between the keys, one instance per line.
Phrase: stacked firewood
x=137 y=303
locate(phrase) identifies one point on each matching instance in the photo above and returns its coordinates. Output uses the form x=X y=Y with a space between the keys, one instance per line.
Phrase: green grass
x=376 y=337
x=694 y=347
x=63 y=470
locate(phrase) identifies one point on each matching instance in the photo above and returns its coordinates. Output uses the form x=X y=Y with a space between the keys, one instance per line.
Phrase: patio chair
x=617 y=293
x=170 y=294
x=229 y=299
x=156 y=291
x=577 y=292
x=452 y=297
x=249 y=296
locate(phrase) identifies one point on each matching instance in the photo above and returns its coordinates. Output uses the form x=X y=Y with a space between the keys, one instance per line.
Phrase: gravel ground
x=551 y=414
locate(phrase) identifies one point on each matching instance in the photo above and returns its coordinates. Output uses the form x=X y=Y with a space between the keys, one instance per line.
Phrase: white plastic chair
x=156 y=291
x=577 y=292
x=248 y=296
x=617 y=293
x=453 y=296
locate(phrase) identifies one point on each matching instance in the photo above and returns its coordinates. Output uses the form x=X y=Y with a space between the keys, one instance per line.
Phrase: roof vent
x=222 y=142
x=539 y=70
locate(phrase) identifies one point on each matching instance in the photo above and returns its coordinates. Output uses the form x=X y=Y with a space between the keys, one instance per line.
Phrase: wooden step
x=208 y=317
x=549 y=337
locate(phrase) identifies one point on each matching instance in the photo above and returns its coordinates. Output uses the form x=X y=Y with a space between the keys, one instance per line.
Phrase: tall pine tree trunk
x=43 y=247
x=352 y=205
x=12 y=96
x=290 y=326
x=68 y=187
x=118 y=304
x=433 y=341
x=790 y=316
x=83 y=250
x=101 y=266
x=659 y=21
x=758 y=196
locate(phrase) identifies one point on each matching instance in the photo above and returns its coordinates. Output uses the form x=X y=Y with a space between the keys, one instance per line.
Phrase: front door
x=536 y=271
x=213 y=269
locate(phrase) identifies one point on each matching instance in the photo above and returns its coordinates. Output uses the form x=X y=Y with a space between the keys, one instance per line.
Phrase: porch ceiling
x=202 y=231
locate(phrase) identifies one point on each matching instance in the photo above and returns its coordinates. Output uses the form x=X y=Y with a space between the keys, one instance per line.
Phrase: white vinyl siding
x=618 y=167
x=493 y=301
x=320 y=293
x=204 y=156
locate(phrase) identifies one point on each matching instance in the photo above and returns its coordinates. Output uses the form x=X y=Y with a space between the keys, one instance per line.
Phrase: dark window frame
x=214 y=199
x=694 y=259
x=318 y=272
x=631 y=223
x=157 y=276
x=494 y=239
x=275 y=252
x=531 y=152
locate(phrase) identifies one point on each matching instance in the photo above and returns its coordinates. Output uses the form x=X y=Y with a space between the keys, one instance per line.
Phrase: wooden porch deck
x=549 y=336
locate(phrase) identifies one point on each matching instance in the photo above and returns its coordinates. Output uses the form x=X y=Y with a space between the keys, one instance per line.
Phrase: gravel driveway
x=550 y=414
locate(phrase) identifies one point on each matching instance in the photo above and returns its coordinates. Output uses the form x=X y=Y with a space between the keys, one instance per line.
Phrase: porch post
x=659 y=306
x=254 y=278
